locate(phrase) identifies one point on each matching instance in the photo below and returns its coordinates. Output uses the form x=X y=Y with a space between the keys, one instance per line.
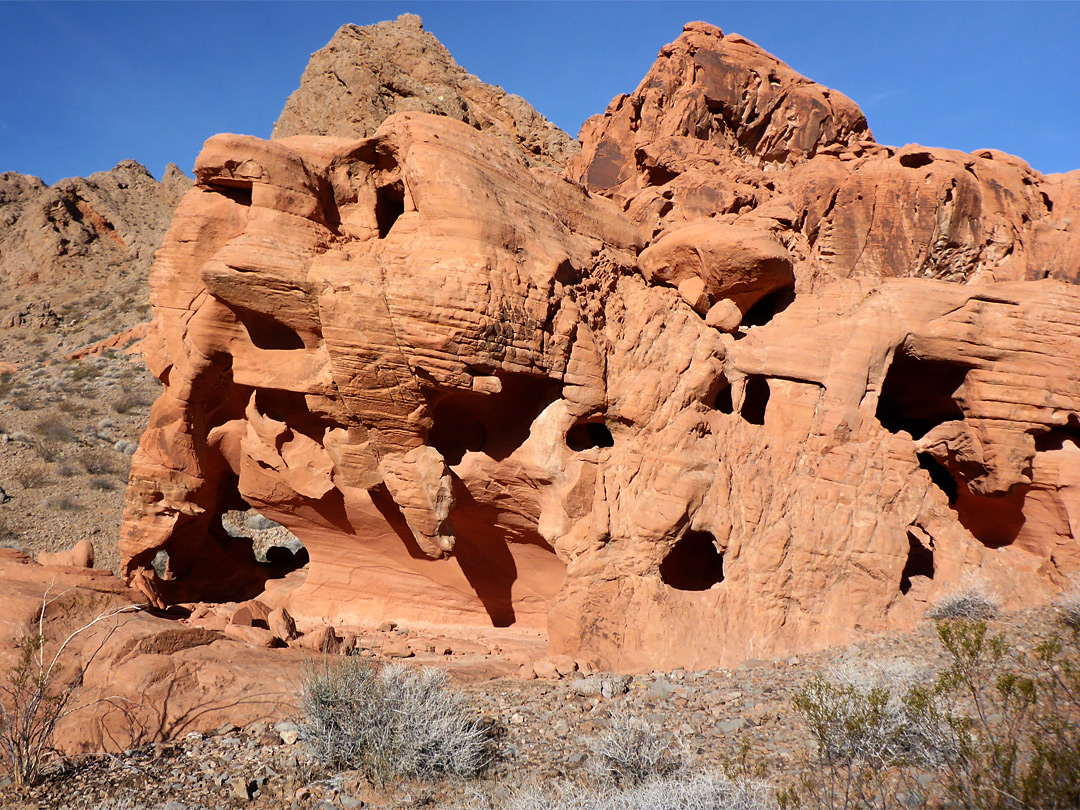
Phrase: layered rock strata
x=699 y=406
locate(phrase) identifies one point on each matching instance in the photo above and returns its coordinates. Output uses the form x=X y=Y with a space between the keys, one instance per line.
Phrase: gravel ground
x=545 y=733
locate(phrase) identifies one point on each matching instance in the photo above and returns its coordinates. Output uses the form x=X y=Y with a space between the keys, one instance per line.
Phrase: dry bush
x=629 y=752
x=972 y=599
x=701 y=791
x=393 y=722
x=1067 y=605
x=128 y=402
x=102 y=484
x=33 y=476
x=54 y=429
x=37 y=693
x=64 y=503
x=84 y=370
x=96 y=463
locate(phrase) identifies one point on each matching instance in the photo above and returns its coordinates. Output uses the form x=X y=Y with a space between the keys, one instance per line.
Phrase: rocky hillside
x=365 y=75
x=75 y=256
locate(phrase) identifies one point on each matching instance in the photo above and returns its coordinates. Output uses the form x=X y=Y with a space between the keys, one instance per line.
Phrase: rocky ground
x=545 y=732
x=68 y=428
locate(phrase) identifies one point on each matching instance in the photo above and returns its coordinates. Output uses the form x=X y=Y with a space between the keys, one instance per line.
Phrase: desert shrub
x=32 y=476
x=63 y=503
x=95 y=462
x=630 y=752
x=996 y=731
x=102 y=484
x=46 y=451
x=68 y=469
x=38 y=691
x=85 y=371
x=390 y=722
x=1067 y=605
x=128 y=402
x=972 y=599
x=871 y=728
x=700 y=791
x=53 y=429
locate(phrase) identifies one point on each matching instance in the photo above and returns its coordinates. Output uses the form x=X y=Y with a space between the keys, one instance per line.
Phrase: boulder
x=81 y=555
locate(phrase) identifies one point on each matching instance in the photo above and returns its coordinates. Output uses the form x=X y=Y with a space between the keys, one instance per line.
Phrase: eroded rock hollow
x=741 y=382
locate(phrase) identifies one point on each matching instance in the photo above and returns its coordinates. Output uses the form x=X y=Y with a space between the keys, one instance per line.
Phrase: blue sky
x=85 y=85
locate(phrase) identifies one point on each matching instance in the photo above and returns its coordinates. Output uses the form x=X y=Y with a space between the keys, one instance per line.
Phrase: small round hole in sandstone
x=588 y=435
x=693 y=564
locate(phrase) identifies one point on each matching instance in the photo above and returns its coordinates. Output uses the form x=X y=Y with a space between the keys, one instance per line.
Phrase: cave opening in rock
x=918 y=395
x=589 y=435
x=693 y=564
x=723 y=402
x=492 y=423
x=940 y=476
x=265 y=331
x=916 y=160
x=239 y=191
x=755 y=399
x=768 y=307
x=389 y=205
x=920 y=562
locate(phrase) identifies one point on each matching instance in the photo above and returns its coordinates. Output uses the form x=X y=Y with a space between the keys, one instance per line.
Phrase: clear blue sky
x=85 y=85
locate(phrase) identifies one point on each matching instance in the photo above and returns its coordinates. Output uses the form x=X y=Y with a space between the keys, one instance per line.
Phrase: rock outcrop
x=366 y=74
x=721 y=130
x=743 y=407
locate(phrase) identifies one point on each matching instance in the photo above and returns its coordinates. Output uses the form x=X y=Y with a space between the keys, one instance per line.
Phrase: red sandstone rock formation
x=721 y=130
x=735 y=410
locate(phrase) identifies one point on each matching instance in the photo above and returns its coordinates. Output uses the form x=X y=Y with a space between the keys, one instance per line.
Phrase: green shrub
x=390 y=723
x=997 y=731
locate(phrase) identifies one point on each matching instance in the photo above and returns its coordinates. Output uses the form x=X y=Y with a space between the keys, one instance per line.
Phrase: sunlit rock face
x=668 y=429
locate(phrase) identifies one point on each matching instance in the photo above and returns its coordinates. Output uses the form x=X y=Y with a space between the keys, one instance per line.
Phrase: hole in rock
x=918 y=395
x=693 y=564
x=916 y=160
x=291 y=407
x=723 y=401
x=266 y=332
x=589 y=435
x=767 y=308
x=239 y=193
x=941 y=477
x=389 y=205
x=994 y=520
x=755 y=400
x=1055 y=438
x=495 y=424
x=1047 y=202
x=920 y=563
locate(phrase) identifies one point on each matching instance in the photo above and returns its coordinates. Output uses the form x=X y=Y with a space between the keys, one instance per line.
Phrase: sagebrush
x=390 y=722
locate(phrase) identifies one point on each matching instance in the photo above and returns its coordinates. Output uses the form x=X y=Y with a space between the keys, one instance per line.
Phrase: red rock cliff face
x=731 y=411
